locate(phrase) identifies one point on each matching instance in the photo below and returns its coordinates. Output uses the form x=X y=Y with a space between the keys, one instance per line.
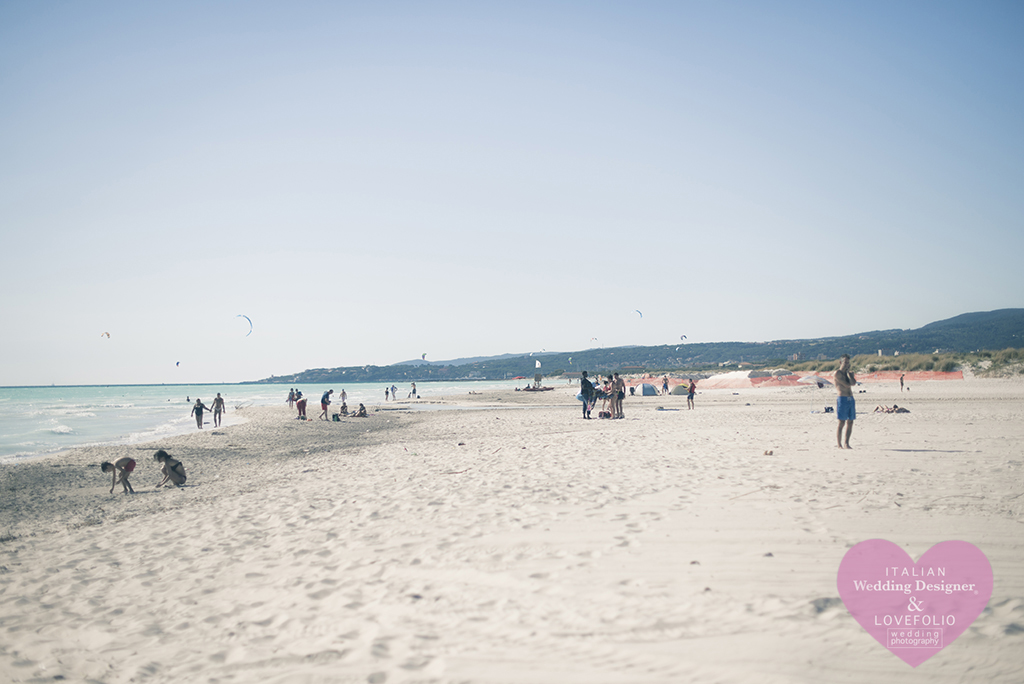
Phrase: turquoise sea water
x=35 y=421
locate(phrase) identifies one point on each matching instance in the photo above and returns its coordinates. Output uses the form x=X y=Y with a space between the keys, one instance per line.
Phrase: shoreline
x=514 y=546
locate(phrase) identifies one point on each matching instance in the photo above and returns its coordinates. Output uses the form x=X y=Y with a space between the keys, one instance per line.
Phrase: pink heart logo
x=915 y=609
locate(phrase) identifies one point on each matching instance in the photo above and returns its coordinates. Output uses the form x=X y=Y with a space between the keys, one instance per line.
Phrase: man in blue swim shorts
x=846 y=407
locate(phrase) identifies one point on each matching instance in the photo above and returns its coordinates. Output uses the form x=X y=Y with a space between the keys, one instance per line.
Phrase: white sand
x=543 y=548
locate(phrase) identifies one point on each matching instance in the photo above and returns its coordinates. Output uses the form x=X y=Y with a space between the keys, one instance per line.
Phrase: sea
x=38 y=421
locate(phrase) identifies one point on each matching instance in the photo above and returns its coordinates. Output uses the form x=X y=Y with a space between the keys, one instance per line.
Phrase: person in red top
x=124 y=467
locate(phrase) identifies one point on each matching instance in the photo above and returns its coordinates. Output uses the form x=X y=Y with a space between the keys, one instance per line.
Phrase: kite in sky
x=250 y=323
x=106 y=334
x=639 y=312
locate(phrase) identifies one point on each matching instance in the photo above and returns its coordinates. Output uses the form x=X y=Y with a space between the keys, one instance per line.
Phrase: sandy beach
x=510 y=541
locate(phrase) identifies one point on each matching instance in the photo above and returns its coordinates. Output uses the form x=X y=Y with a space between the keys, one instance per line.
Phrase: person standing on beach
x=171 y=467
x=197 y=411
x=587 y=392
x=123 y=467
x=664 y=385
x=901 y=381
x=300 y=405
x=325 y=401
x=618 y=394
x=412 y=394
x=846 y=406
x=291 y=398
x=344 y=396
x=218 y=408
x=692 y=389
x=387 y=393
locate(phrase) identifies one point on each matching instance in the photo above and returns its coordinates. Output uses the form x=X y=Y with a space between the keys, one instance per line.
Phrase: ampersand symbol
x=914 y=605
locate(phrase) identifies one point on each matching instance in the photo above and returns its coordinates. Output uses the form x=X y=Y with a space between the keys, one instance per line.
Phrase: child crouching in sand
x=124 y=467
x=171 y=467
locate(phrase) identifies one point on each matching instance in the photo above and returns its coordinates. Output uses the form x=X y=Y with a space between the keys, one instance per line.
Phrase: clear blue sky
x=373 y=181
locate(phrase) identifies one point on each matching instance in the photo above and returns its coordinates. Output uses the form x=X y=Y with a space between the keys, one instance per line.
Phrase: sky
x=370 y=182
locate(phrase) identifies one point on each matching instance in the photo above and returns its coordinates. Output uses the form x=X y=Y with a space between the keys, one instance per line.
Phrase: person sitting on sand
x=343 y=411
x=361 y=413
x=119 y=471
x=171 y=467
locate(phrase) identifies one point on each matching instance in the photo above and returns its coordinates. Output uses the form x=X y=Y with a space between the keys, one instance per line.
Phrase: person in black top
x=197 y=411
x=587 y=390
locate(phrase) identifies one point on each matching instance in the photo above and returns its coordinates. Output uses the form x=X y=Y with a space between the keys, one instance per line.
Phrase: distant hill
x=470 y=359
x=969 y=332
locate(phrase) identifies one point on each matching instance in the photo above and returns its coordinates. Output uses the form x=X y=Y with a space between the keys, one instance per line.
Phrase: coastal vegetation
x=984 y=363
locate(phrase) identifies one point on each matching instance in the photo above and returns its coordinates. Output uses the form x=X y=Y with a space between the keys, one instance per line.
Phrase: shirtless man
x=618 y=393
x=119 y=471
x=218 y=408
x=846 y=408
x=171 y=467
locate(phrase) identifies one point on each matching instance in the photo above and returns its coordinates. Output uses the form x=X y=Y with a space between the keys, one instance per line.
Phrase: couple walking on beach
x=218 y=408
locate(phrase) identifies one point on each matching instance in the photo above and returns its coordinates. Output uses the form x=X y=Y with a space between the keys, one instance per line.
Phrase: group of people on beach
x=120 y=470
x=612 y=391
x=391 y=393
x=298 y=401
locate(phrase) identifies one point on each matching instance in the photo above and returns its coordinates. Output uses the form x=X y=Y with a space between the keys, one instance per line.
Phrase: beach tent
x=814 y=380
x=646 y=390
x=681 y=388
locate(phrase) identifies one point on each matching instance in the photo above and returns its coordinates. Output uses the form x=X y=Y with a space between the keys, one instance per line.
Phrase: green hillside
x=991 y=330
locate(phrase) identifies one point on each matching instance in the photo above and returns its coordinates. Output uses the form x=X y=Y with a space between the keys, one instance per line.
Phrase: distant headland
x=936 y=346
